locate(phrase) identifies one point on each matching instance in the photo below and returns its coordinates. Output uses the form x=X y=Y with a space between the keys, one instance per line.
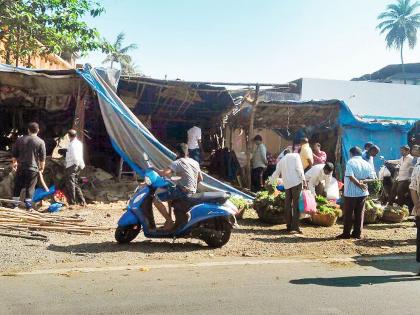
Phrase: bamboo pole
x=250 y=135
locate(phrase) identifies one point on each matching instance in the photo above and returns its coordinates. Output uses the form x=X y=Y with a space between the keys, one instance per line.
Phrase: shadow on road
x=111 y=247
x=405 y=265
x=356 y=281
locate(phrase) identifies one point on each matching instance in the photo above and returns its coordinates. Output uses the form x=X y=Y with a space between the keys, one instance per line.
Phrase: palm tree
x=129 y=69
x=119 y=54
x=400 y=22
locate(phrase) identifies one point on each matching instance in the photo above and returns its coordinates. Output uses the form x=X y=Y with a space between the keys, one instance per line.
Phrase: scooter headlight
x=148 y=181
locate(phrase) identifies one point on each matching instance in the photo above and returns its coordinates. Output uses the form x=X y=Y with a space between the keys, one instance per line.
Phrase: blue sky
x=255 y=41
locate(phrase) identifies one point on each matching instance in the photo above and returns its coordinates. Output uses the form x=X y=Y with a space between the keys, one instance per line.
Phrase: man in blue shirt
x=355 y=193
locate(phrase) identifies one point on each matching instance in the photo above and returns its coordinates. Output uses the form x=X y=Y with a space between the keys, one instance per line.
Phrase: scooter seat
x=208 y=197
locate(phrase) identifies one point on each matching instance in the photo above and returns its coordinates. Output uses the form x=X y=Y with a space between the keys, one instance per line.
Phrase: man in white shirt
x=74 y=164
x=400 y=187
x=319 y=178
x=291 y=170
x=194 y=143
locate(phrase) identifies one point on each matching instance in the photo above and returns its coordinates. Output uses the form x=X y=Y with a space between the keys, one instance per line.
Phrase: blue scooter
x=207 y=215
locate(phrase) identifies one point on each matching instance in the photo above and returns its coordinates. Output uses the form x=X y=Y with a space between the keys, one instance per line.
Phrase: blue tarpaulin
x=130 y=138
x=388 y=134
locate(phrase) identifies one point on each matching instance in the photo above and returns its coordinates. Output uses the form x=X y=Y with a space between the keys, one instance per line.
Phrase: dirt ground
x=251 y=239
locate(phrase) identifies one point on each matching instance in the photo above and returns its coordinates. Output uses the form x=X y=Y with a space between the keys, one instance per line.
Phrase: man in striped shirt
x=355 y=193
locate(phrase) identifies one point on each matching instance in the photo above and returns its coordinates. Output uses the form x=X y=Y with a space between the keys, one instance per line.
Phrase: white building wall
x=367 y=98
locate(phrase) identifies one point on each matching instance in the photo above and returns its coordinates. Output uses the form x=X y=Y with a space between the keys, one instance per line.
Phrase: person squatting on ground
x=74 y=164
x=400 y=187
x=190 y=173
x=28 y=156
x=259 y=164
x=291 y=171
x=319 y=178
x=355 y=193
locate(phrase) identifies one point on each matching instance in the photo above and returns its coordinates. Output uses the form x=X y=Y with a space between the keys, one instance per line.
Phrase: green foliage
x=42 y=27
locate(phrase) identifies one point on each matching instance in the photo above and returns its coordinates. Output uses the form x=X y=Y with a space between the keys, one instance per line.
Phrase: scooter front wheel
x=125 y=234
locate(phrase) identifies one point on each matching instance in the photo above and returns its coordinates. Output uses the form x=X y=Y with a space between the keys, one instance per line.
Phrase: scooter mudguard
x=204 y=212
x=128 y=218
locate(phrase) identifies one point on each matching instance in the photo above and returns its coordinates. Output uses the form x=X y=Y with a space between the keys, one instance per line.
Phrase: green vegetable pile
x=240 y=203
x=327 y=208
x=371 y=206
x=374 y=187
x=398 y=210
x=266 y=201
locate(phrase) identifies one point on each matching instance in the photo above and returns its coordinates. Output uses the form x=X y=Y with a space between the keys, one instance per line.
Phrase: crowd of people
x=298 y=167
x=302 y=166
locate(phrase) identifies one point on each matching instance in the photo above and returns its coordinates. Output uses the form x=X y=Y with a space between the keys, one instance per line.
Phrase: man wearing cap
x=259 y=164
x=74 y=164
x=400 y=186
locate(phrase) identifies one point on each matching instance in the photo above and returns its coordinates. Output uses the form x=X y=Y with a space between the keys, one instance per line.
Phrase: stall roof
x=287 y=114
x=175 y=100
x=280 y=114
x=40 y=82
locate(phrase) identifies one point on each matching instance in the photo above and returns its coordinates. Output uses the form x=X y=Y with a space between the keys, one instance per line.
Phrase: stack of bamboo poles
x=21 y=220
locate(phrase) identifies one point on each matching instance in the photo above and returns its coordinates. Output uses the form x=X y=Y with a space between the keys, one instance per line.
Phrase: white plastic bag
x=333 y=192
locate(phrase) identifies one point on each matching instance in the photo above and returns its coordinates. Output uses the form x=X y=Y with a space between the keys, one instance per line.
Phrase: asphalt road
x=380 y=287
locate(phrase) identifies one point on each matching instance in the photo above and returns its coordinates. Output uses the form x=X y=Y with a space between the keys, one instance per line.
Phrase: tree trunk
x=402 y=63
x=112 y=62
x=17 y=52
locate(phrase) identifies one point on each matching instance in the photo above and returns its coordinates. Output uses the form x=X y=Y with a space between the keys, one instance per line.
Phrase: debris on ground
x=19 y=220
x=97 y=184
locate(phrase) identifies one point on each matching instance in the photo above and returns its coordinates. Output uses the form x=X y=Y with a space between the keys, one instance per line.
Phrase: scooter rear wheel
x=126 y=234
x=221 y=235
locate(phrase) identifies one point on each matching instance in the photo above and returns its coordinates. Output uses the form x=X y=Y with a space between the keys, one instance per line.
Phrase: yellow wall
x=272 y=140
x=50 y=62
